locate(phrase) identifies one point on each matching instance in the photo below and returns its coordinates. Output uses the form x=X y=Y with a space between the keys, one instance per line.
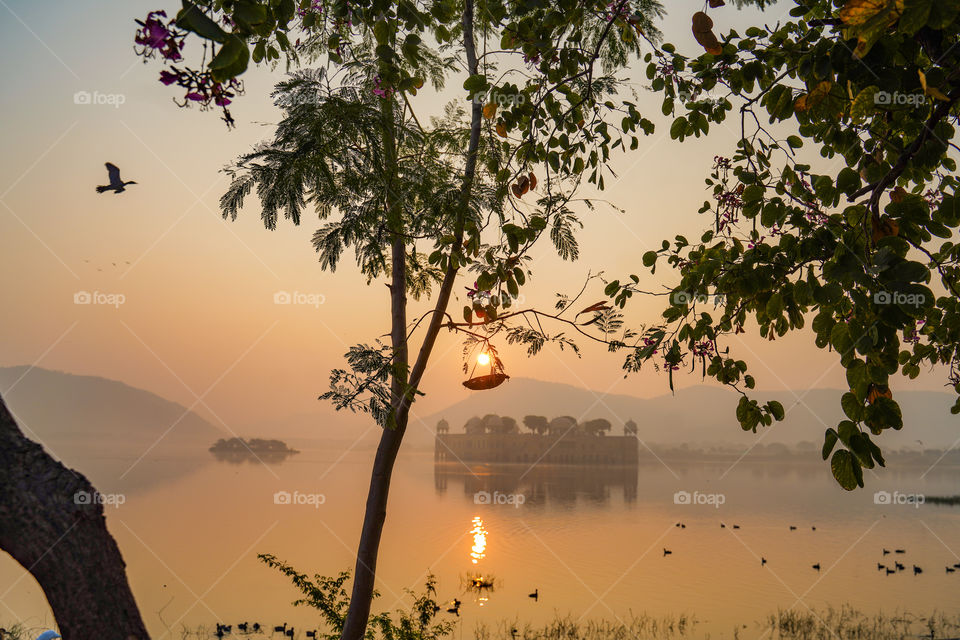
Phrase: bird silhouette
x=898 y=566
x=256 y=627
x=950 y=569
x=243 y=627
x=817 y=566
x=535 y=595
x=899 y=550
x=886 y=552
x=763 y=561
x=290 y=632
x=792 y=528
x=917 y=570
x=455 y=609
x=813 y=528
x=889 y=571
x=736 y=526
x=881 y=567
x=957 y=566
x=116 y=184
x=312 y=634
x=667 y=552
x=282 y=629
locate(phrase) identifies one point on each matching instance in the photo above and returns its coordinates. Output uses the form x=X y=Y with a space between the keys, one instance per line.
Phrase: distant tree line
x=540 y=425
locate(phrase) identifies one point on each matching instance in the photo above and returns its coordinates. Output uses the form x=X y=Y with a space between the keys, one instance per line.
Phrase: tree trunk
x=63 y=542
x=404 y=384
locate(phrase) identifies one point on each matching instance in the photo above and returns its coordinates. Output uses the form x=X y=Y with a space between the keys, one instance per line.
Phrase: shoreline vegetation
x=831 y=623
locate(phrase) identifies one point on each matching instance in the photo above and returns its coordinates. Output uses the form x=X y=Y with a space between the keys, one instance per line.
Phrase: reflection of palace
x=538 y=484
x=559 y=441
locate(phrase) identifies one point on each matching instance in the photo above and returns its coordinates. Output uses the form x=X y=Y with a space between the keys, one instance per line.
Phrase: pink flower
x=196 y=97
x=168 y=78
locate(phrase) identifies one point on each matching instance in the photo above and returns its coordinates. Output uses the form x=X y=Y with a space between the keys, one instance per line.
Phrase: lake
x=591 y=541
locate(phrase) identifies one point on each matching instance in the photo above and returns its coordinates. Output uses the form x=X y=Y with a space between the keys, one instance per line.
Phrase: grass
x=632 y=628
x=847 y=623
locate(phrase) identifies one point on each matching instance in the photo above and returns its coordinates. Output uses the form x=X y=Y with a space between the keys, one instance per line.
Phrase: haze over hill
x=72 y=414
x=703 y=415
x=101 y=427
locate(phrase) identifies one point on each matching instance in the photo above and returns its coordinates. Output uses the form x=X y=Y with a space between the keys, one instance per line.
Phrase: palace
x=559 y=443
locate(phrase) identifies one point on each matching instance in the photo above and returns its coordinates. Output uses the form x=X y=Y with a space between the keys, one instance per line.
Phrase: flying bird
x=116 y=184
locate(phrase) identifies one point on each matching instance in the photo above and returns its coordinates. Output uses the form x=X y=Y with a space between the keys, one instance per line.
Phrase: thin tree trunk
x=63 y=544
x=375 y=514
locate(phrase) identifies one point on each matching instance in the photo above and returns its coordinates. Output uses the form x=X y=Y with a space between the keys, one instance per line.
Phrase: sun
x=483 y=359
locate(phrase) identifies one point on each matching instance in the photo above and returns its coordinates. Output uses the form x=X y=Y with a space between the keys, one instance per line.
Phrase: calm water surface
x=591 y=541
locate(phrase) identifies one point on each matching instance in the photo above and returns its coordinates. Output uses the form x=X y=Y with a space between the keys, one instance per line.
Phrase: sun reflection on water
x=479 y=548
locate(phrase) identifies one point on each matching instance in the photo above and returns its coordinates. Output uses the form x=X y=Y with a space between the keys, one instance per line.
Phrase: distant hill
x=703 y=415
x=101 y=426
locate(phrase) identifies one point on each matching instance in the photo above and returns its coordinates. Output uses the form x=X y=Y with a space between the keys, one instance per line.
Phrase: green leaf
x=776 y=409
x=678 y=128
x=231 y=60
x=852 y=407
x=192 y=18
x=649 y=258
x=846 y=470
x=829 y=442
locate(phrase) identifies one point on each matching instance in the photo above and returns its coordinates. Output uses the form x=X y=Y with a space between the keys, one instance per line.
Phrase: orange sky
x=198 y=317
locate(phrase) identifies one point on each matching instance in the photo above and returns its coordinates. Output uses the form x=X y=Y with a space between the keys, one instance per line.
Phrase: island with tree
x=562 y=440
x=255 y=449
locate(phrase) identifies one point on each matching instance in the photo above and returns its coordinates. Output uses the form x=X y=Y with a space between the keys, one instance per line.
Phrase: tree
x=536 y=424
x=52 y=523
x=475 y=425
x=562 y=425
x=509 y=425
x=420 y=205
x=860 y=247
x=596 y=427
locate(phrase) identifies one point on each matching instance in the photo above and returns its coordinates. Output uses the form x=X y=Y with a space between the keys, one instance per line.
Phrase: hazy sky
x=199 y=317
